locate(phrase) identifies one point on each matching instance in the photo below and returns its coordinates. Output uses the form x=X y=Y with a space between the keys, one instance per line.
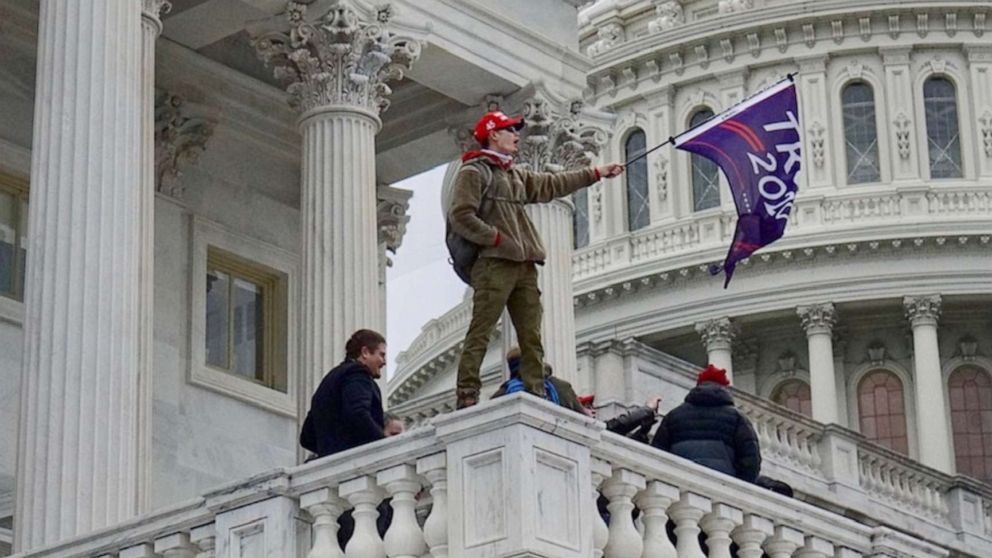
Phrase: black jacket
x=708 y=429
x=640 y=418
x=345 y=411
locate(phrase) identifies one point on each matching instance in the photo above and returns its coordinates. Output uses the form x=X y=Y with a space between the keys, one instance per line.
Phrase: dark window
x=943 y=137
x=705 y=173
x=638 y=204
x=860 y=134
x=882 y=411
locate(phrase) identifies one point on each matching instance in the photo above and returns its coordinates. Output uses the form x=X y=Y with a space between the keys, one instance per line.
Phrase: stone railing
x=842 y=217
x=518 y=477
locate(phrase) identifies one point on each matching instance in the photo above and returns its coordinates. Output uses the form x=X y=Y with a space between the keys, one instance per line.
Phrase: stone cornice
x=688 y=52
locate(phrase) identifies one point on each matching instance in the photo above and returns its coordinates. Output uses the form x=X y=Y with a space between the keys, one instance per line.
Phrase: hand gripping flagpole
x=671 y=139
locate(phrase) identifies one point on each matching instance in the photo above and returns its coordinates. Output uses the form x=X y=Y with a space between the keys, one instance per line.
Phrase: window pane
x=218 y=310
x=881 y=413
x=8 y=242
x=705 y=173
x=860 y=135
x=22 y=244
x=580 y=221
x=638 y=205
x=943 y=139
x=248 y=330
x=794 y=394
x=970 y=394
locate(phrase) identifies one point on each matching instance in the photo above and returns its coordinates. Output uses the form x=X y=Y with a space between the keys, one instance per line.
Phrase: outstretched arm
x=543 y=187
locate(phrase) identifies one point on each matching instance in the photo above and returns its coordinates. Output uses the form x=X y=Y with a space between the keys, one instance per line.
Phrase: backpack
x=514 y=385
x=462 y=253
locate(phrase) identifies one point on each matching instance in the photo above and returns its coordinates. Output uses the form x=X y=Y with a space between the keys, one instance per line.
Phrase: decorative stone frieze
x=922 y=309
x=661 y=177
x=340 y=59
x=609 y=36
x=816 y=139
x=904 y=128
x=985 y=129
x=733 y=6
x=180 y=139
x=555 y=140
x=669 y=14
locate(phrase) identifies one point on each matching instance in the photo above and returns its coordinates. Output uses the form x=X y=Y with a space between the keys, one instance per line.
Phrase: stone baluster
x=718 y=524
x=601 y=470
x=336 y=73
x=176 y=545
x=79 y=395
x=818 y=321
x=365 y=495
x=686 y=513
x=325 y=507
x=751 y=534
x=205 y=539
x=620 y=489
x=653 y=502
x=435 y=469
x=932 y=424
x=718 y=338
x=815 y=547
x=144 y=550
x=783 y=542
x=404 y=539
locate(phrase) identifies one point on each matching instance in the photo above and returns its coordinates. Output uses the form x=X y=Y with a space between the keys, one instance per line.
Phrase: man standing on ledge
x=505 y=275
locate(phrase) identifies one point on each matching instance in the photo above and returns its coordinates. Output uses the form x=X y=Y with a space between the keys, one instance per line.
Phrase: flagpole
x=671 y=139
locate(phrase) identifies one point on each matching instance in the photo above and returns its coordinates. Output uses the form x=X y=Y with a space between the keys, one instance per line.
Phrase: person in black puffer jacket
x=709 y=430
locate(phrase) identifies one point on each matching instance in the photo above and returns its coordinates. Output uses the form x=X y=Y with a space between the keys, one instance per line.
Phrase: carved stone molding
x=608 y=36
x=968 y=347
x=720 y=332
x=152 y=10
x=669 y=15
x=876 y=352
x=985 y=129
x=556 y=139
x=661 y=174
x=788 y=362
x=816 y=143
x=339 y=59
x=922 y=310
x=180 y=139
x=732 y=6
x=817 y=318
x=903 y=127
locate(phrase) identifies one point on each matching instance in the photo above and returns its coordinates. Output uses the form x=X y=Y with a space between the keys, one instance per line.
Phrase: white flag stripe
x=732 y=112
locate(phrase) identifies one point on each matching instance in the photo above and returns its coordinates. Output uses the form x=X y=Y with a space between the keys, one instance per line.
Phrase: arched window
x=580 y=220
x=795 y=395
x=943 y=137
x=705 y=173
x=860 y=136
x=638 y=205
x=882 y=411
x=969 y=390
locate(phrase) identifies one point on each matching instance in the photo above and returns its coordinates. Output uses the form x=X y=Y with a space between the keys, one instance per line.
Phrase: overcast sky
x=420 y=285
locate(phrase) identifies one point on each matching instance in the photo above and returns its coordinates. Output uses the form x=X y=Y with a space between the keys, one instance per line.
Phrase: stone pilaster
x=931 y=406
x=335 y=66
x=899 y=103
x=812 y=87
x=151 y=28
x=555 y=140
x=718 y=338
x=78 y=437
x=818 y=322
x=980 y=68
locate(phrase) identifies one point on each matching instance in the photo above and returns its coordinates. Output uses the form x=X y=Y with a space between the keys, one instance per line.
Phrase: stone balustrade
x=518 y=476
x=849 y=217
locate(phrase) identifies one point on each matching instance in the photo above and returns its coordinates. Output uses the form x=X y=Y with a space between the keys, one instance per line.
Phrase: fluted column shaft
x=818 y=321
x=339 y=291
x=77 y=439
x=151 y=28
x=554 y=223
x=931 y=406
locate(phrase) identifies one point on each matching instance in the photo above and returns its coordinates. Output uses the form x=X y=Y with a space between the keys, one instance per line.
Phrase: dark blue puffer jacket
x=709 y=430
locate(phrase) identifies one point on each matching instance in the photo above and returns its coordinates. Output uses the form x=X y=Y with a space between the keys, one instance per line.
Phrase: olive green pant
x=512 y=285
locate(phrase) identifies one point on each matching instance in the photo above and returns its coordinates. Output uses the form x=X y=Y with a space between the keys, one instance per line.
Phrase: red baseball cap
x=495 y=120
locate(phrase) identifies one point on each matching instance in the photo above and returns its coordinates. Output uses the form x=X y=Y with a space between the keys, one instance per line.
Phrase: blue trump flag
x=756 y=144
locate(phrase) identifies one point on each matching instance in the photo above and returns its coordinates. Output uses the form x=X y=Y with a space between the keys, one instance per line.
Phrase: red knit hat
x=713 y=374
x=586 y=400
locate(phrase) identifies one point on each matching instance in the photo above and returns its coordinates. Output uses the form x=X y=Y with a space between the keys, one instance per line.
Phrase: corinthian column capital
x=717 y=333
x=338 y=59
x=556 y=138
x=817 y=318
x=152 y=10
x=922 y=310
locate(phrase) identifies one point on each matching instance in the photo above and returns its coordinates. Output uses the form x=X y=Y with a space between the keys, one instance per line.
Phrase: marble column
x=718 y=338
x=335 y=70
x=151 y=28
x=555 y=140
x=77 y=467
x=818 y=322
x=931 y=404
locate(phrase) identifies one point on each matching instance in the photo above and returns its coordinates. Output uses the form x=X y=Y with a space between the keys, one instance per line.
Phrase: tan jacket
x=504 y=208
